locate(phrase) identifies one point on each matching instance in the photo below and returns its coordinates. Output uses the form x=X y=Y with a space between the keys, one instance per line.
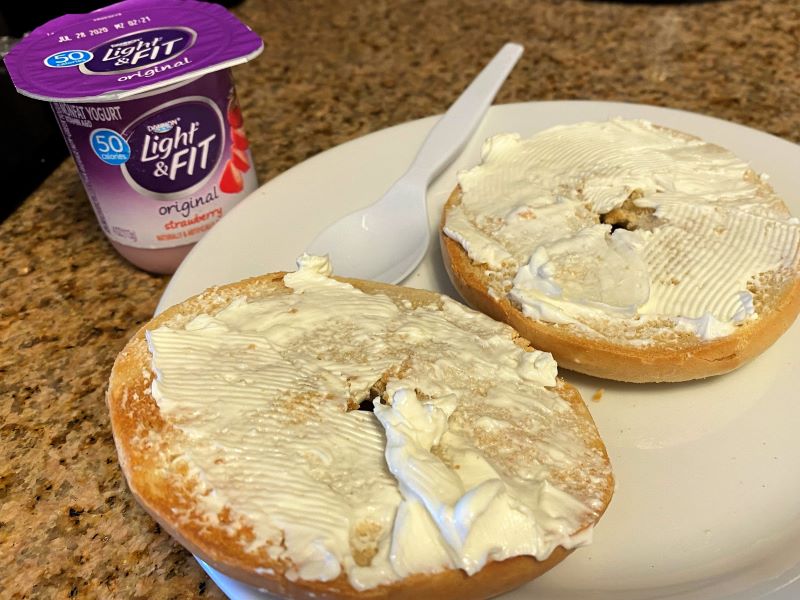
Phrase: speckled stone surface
x=332 y=71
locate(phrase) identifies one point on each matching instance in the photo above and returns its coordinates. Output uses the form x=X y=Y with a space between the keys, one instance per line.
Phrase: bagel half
x=153 y=450
x=624 y=349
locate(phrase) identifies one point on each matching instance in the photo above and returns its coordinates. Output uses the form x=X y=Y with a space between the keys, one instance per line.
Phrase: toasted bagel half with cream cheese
x=627 y=250
x=330 y=438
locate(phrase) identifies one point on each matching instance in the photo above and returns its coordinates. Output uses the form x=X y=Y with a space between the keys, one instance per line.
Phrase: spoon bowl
x=384 y=241
x=388 y=239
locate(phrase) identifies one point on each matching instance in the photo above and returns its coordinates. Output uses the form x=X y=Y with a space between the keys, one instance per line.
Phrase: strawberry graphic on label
x=239 y=160
x=239 y=138
x=235 y=114
x=231 y=181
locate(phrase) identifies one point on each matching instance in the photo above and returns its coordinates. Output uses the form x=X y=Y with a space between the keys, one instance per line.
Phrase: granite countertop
x=332 y=71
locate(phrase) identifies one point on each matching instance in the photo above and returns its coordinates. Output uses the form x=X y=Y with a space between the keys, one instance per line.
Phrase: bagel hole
x=376 y=391
x=368 y=405
x=621 y=224
x=630 y=217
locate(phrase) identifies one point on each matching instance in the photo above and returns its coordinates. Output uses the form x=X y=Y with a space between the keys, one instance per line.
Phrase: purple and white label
x=137 y=50
x=161 y=169
x=175 y=148
x=143 y=96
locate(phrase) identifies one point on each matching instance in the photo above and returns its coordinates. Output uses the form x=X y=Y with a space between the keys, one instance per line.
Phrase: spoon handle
x=452 y=131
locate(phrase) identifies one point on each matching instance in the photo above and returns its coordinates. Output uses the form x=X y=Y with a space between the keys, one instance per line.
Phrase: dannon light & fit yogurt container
x=143 y=93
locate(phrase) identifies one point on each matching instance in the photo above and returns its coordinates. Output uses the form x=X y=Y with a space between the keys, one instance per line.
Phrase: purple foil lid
x=128 y=48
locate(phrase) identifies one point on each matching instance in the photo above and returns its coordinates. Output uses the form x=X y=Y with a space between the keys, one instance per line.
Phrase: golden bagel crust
x=163 y=486
x=684 y=358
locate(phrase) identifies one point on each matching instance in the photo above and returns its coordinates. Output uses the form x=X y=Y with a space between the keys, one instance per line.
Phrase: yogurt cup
x=143 y=94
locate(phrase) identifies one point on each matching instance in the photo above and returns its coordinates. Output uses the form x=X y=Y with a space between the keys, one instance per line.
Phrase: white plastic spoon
x=387 y=240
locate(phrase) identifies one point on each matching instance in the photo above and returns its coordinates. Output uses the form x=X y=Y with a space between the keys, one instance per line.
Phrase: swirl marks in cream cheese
x=533 y=210
x=471 y=454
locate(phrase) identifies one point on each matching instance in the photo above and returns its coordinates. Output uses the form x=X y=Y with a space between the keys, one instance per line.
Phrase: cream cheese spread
x=470 y=454
x=532 y=212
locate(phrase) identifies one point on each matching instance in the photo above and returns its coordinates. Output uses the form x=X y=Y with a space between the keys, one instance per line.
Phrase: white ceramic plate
x=708 y=473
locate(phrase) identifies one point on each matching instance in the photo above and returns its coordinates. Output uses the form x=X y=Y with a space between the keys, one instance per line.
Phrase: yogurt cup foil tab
x=128 y=48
